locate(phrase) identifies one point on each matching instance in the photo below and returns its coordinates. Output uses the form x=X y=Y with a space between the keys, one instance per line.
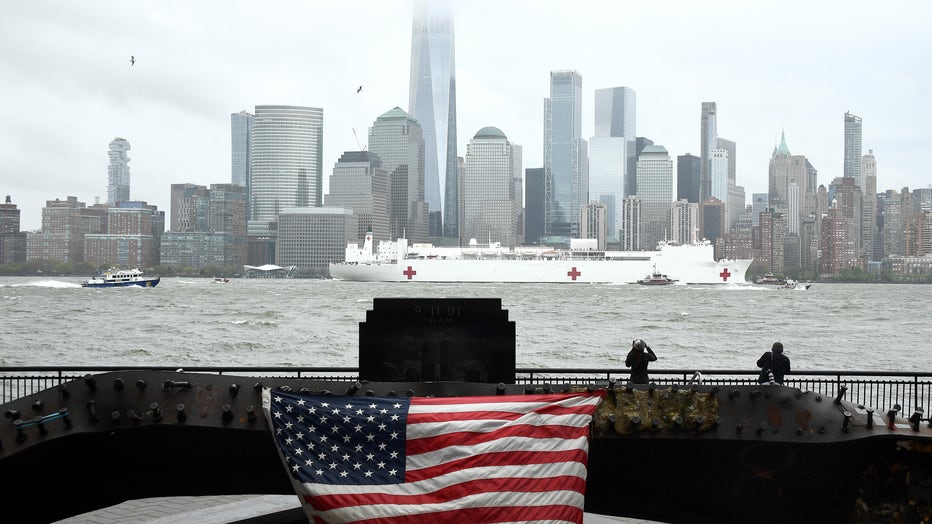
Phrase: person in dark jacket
x=637 y=360
x=774 y=365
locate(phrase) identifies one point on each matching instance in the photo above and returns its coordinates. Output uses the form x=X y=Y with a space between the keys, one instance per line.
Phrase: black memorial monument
x=437 y=339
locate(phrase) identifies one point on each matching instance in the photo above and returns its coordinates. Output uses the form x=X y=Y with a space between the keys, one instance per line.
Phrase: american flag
x=509 y=458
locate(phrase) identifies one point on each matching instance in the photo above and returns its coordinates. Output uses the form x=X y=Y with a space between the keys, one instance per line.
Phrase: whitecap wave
x=45 y=283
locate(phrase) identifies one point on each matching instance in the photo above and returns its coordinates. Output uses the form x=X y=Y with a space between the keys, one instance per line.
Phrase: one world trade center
x=432 y=101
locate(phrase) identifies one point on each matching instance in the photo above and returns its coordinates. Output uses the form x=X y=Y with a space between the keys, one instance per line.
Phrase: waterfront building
x=208 y=226
x=615 y=117
x=396 y=137
x=835 y=249
x=566 y=154
x=12 y=240
x=313 y=237
x=852 y=165
x=708 y=142
x=688 y=169
x=286 y=167
x=593 y=223
x=490 y=197
x=129 y=235
x=534 y=204
x=360 y=183
x=771 y=233
x=432 y=102
x=656 y=184
x=128 y=241
x=118 y=171
x=241 y=149
x=62 y=235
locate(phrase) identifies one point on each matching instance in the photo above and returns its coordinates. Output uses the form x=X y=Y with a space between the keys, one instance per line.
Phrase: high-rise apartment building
x=684 y=221
x=490 y=197
x=566 y=154
x=287 y=149
x=615 y=117
x=118 y=171
x=12 y=240
x=593 y=223
x=208 y=226
x=869 y=242
x=708 y=142
x=853 y=148
x=241 y=147
x=360 y=183
x=396 y=137
x=848 y=201
x=128 y=240
x=432 y=102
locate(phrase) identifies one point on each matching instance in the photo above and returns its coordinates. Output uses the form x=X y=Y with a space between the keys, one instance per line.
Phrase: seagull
x=360 y=89
x=132 y=60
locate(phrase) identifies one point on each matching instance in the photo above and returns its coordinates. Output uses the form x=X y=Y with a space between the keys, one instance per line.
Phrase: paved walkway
x=225 y=509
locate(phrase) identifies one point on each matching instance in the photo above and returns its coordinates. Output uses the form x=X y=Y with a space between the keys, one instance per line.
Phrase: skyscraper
x=287 y=145
x=615 y=116
x=432 y=102
x=612 y=154
x=360 y=183
x=657 y=191
x=241 y=146
x=687 y=178
x=853 y=148
x=490 y=198
x=869 y=243
x=566 y=154
x=118 y=171
x=708 y=142
x=397 y=139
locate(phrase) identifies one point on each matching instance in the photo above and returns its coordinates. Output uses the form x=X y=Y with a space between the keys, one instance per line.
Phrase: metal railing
x=880 y=390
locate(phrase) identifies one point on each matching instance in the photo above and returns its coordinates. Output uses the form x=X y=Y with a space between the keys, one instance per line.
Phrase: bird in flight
x=132 y=60
x=359 y=90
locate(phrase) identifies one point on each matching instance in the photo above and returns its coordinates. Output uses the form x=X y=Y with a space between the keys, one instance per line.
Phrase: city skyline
x=768 y=71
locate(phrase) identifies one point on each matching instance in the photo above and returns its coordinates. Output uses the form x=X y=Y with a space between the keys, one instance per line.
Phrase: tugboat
x=656 y=278
x=121 y=278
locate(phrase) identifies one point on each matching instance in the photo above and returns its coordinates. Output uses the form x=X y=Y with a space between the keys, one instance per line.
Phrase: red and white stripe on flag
x=399 y=460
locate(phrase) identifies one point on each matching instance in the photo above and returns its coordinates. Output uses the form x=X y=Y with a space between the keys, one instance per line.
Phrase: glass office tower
x=432 y=102
x=566 y=156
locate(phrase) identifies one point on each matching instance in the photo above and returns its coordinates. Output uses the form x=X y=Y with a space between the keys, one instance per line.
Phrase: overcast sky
x=68 y=88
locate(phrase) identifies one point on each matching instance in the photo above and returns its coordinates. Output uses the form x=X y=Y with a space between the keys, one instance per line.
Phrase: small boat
x=121 y=278
x=220 y=280
x=656 y=279
x=793 y=284
x=769 y=279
